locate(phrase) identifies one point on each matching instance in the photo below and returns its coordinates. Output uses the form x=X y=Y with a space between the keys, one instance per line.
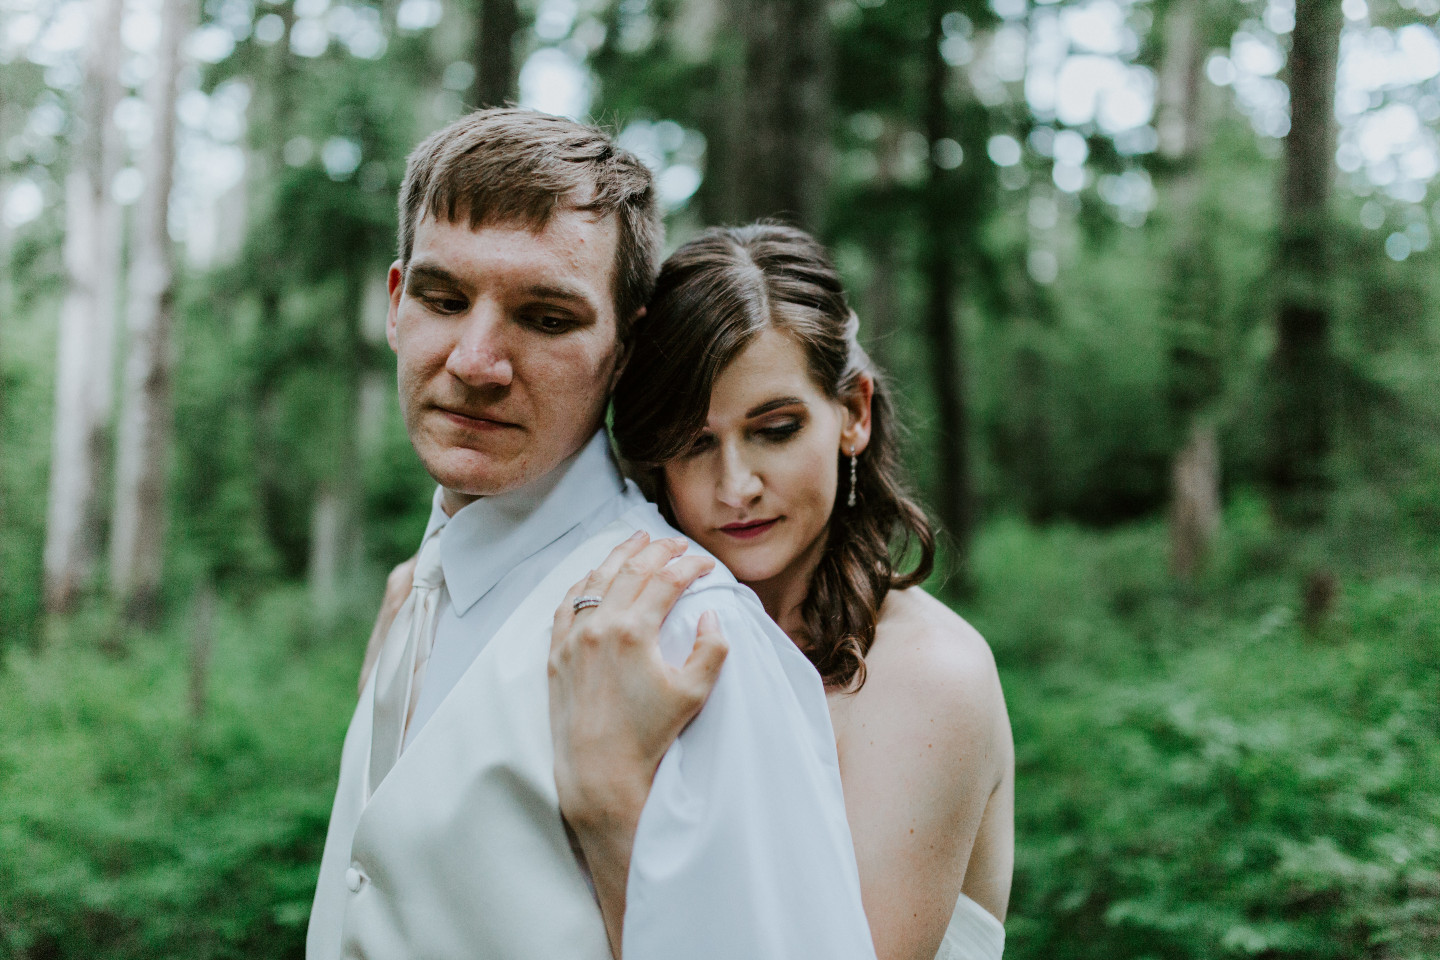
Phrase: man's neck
x=453 y=502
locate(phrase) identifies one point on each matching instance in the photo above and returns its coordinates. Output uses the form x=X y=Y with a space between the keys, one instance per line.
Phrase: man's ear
x=622 y=350
x=855 y=435
x=395 y=284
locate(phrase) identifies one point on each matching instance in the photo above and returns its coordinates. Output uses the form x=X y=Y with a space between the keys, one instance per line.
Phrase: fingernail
x=708 y=620
x=636 y=535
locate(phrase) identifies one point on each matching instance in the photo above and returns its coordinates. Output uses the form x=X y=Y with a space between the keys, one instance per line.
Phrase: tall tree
x=879 y=319
x=1302 y=406
x=279 y=82
x=143 y=451
x=774 y=157
x=84 y=379
x=336 y=516
x=1193 y=304
x=955 y=496
x=495 y=73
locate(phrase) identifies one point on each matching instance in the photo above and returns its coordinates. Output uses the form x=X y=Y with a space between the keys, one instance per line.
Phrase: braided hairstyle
x=713 y=297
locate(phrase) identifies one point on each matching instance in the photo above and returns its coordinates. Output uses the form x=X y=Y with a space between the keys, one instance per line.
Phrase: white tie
x=401 y=666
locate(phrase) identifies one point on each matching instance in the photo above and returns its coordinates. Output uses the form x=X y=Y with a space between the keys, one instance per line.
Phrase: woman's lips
x=750 y=529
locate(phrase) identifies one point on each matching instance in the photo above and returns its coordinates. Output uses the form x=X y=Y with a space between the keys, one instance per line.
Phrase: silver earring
x=854 y=464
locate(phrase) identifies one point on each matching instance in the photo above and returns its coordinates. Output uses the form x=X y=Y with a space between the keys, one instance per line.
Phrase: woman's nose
x=739 y=483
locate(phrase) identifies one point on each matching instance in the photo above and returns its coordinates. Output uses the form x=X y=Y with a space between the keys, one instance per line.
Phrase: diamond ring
x=584 y=603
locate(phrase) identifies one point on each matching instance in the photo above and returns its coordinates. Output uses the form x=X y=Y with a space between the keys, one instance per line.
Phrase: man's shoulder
x=647 y=517
x=742 y=617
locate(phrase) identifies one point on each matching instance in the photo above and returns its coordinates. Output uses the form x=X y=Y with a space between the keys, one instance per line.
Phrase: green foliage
x=1200 y=775
x=130 y=828
x=26 y=399
x=1197 y=775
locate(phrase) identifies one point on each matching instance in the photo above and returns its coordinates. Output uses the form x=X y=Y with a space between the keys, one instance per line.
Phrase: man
x=527 y=249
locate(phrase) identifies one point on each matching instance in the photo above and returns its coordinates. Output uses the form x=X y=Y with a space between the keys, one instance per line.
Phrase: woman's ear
x=855 y=435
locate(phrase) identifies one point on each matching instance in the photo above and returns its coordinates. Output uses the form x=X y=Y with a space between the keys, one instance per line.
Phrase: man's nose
x=739 y=483
x=481 y=354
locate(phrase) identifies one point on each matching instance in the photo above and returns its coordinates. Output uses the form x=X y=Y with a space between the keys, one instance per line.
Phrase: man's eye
x=549 y=323
x=442 y=304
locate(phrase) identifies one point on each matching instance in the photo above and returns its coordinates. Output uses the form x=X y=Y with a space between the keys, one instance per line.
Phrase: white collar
x=487 y=538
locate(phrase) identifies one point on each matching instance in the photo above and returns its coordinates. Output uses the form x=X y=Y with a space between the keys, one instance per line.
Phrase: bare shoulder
x=925 y=750
x=930 y=679
x=930 y=650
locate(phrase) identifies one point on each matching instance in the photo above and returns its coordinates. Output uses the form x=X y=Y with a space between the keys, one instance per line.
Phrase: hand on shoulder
x=615 y=704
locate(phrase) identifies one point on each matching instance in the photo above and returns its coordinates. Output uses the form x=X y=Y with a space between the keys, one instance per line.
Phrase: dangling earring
x=854 y=463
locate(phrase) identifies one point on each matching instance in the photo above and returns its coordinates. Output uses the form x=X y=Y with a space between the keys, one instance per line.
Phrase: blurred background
x=1156 y=286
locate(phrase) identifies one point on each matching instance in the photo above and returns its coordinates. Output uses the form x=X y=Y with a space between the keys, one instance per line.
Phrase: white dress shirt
x=742 y=849
x=496 y=549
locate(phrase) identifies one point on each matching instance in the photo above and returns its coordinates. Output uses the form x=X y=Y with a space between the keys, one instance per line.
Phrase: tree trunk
x=84 y=378
x=882 y=306
x=775 y=160
x=880 y=322
x=495 y=52
x=1195 y=341
x=336 y=538
x=377 y=380
x=1195 y=507
x=282 y=530
x=955 y=498
x=143 y=452
x=1182 y=73
x=327 y=526
x=1302 y=381
x=202 y=641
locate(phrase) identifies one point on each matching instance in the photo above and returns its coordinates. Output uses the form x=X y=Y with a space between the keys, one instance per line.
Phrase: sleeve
x=743 y=851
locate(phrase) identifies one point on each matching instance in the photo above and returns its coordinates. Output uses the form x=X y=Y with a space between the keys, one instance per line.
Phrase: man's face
x=506 y=339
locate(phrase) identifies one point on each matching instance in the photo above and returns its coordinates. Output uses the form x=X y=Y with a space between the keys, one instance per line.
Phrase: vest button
x=354 y=879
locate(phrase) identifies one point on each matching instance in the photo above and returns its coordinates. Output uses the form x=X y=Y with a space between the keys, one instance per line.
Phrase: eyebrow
x=553 y=291
x=420 y=272
x=768 y=405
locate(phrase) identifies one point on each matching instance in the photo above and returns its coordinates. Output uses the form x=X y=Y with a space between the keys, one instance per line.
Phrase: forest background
x=1155 y=284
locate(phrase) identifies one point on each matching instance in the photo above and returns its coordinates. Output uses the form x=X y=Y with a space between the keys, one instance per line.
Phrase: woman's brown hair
x=714 y=296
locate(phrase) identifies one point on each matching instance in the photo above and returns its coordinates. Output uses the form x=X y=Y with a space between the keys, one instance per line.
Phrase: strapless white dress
x=973 y=934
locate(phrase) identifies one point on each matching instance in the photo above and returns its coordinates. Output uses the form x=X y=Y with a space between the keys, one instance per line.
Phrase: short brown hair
x=508 y=165
x=713 y=298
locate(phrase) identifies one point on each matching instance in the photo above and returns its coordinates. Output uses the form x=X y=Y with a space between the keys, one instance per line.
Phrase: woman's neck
x=783 y=595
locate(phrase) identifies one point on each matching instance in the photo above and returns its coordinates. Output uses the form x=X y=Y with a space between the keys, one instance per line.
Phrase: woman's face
x=757 y=486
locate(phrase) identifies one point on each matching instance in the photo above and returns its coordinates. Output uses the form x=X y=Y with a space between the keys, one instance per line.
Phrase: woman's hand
x=616 y=705
x=397 y=588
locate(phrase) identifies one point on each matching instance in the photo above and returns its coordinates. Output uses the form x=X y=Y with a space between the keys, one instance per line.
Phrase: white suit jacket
x=742 y=851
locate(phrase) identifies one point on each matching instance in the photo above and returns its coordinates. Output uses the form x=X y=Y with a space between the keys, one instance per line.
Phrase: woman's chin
x=752 y=565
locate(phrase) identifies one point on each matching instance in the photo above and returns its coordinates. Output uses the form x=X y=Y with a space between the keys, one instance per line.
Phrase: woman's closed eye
x=698 y=446
x=781 y=431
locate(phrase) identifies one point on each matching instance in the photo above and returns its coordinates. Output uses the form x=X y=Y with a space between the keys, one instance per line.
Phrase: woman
x=756 y=422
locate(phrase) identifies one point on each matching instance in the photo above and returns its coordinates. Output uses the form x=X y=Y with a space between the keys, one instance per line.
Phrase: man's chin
x=470 y=474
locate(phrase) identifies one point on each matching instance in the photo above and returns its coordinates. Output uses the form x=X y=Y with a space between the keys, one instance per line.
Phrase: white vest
x=461 y=852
